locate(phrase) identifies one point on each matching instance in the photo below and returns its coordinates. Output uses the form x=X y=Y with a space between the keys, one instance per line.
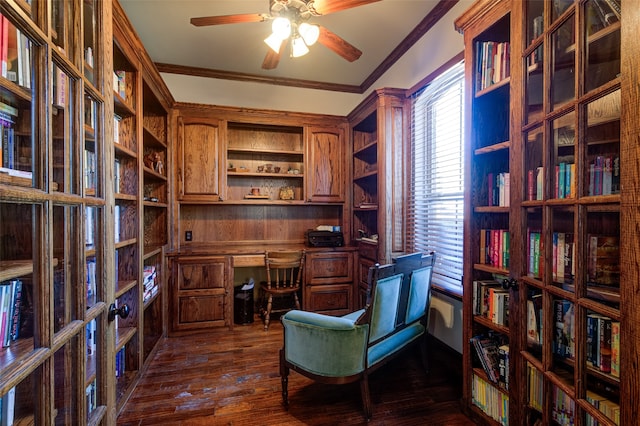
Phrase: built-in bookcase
x=141 y=155
x=556 y=124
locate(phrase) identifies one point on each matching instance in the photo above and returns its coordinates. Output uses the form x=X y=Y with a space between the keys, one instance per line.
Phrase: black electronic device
x=325 y=238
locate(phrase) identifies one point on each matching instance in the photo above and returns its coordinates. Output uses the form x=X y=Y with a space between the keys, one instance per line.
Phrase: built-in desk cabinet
x=329 y=282
x=201 y=289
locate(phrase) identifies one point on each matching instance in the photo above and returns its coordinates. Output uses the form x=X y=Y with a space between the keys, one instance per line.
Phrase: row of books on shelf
x=490 y=400
x=150 y=282
x=492 y=63
x=120 y=362
x=494 y=248
x=603 y=259
x=604 y=175
x=563 y=407
x=498 y=189
x=603 y=344
x=15 y=54
x=492 y=351
x=491 y=301
x=10 y=306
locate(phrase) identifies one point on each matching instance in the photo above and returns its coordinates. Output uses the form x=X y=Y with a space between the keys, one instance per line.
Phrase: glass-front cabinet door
x=52 y=213
x=570 y=212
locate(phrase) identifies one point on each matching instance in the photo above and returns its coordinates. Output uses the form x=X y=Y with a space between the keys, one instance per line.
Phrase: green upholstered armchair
x=346 y=349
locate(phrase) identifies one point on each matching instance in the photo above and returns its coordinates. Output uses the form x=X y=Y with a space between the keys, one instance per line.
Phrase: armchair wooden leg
x=284 y=378
x=366 y=399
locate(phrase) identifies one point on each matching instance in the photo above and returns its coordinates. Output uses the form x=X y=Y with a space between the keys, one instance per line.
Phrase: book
x=16 y=306
x=615 y=348
x=564 y=339
x=503 y=365
x=605 y=344
x=487 y=350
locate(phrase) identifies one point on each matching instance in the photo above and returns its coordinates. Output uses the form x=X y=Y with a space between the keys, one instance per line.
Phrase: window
x=435 y=205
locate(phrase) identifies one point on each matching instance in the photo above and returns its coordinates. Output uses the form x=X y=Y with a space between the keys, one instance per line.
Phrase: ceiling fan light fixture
x=274 y=42
x=298 y=47
x=281 y=27
x=309 y=33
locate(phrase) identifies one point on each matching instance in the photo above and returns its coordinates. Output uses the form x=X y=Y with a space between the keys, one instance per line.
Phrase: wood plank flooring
x=231 y=378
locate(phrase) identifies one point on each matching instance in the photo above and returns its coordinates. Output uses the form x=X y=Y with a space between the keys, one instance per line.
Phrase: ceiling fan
x=290 y=27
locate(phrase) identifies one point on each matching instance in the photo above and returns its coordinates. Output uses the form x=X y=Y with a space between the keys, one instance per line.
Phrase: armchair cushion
x=325 y=345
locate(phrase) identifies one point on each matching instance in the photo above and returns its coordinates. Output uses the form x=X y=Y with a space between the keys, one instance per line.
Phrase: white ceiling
x=168 y=36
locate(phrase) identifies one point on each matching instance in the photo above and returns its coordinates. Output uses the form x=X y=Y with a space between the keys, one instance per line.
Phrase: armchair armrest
x=324 y=345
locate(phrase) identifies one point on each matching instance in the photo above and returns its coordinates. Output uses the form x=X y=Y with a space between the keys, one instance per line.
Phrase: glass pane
x=90 y=160
x=563 y=408
x=603 y=145
x=16 y=92
x=602 y=42
x=20 y=402
x=89 y=17
x=535 y=386
x=534 y=86
x=564 y=148
x=91 y=359
x=92 y=236
x=64 y=154
x=559 y=7
x=65 y=389
x=535 y=322
x=535 y=243
x=564 y=334
x=533 y=165
x=564 y=256
x=603 y=256
x=535 y=21
x=18 y=258
x=61 y=25
x=563 y=65
x=65 y=221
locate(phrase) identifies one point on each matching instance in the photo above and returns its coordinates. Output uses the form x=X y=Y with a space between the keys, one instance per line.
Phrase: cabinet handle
x=122 y=311
x=510 y=283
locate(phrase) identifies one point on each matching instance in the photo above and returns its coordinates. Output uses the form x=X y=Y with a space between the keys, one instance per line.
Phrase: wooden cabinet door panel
x=199 y=154
x=201 y=309
x=201 y=276
x=326 y=165
x=330 y=299
x=329 y=268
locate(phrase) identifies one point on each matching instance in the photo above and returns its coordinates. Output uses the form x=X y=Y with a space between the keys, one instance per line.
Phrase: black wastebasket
x=242 y=305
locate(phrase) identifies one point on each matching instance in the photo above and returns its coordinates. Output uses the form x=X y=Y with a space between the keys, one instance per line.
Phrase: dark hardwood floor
x=231 y=378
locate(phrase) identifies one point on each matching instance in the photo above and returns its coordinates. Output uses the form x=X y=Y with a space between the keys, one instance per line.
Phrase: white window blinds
x=435 y=206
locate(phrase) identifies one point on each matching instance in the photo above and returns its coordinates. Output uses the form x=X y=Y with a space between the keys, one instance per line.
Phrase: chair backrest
x=416 y=286
x=284 y=268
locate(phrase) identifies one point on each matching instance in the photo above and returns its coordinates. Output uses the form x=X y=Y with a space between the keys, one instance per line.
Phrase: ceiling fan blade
x=324 y=7
x=338 y=45
x=228 y=19
x=272 y=58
